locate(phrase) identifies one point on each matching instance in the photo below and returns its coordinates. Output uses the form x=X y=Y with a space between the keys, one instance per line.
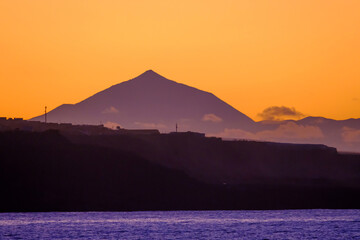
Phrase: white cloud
x=112 y=125
x=276 y=113
x=285 y=132
x=211 y=118
x=350 y=135
x=110 y=110
x=292 y=130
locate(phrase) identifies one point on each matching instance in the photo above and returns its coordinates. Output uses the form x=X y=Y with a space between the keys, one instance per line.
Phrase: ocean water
x=282 y=224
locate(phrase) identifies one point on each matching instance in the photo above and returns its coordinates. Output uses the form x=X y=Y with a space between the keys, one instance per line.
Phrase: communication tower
x=45 y=114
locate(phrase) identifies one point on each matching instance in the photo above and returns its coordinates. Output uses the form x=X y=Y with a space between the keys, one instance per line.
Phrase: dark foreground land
x=54 y=171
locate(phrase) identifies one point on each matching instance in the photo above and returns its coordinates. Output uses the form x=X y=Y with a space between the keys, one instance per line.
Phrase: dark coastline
x=51 y=171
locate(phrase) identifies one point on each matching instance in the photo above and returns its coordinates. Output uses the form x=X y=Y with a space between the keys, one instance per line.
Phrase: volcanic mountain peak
x=149 y=75
x=153 y=101
x=150 y=72
x=149 y=81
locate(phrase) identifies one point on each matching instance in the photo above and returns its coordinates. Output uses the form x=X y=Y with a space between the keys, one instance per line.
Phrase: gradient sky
x=251 y=54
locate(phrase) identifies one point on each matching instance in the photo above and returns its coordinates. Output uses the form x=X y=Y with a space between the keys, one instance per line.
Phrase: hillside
x=46 y=171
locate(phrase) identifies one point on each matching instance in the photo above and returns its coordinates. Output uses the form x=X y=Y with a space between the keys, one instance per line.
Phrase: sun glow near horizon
x=251 y=54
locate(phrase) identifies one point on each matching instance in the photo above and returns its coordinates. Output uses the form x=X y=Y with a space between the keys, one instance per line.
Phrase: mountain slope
x=152 y=101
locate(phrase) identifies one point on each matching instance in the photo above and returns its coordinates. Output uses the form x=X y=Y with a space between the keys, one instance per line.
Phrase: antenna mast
x=176 y=127
x=45 y=114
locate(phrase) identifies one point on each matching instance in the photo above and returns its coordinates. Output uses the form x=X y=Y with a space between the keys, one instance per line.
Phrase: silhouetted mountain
x=152 y=101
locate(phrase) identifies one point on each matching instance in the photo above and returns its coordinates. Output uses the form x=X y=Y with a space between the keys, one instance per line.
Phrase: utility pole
x=45 y=114
x=176 y=127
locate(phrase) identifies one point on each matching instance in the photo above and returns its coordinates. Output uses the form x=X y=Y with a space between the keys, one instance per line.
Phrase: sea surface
x=282 y=224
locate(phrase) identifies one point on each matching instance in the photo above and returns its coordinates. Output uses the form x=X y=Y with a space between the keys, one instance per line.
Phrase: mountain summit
x=150 y=75
x=153 y=101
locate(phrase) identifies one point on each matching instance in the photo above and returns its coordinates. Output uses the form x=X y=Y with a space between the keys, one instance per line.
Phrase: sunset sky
x=252 y=54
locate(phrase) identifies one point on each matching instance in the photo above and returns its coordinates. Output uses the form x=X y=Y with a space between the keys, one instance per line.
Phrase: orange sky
x=251 y=54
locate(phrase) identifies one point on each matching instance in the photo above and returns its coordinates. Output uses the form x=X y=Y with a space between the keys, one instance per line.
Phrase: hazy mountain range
x=152 y=101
